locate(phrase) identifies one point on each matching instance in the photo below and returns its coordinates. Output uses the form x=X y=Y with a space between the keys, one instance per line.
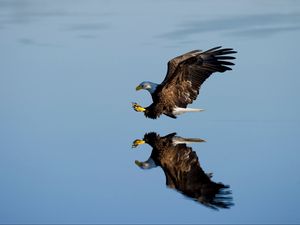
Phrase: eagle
x=185 y=75
x=182 y=169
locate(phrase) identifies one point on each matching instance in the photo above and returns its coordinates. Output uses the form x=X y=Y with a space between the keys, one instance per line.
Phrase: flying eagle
x=186 y=73
x=183 y=171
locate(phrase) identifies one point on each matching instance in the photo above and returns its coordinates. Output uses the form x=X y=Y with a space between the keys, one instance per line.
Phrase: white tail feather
x=179 y=111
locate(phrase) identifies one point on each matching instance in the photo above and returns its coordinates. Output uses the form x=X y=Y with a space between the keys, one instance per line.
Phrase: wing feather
x=173 y=63
x=186 y=74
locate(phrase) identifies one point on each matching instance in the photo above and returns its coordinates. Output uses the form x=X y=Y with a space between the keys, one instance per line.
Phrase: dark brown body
x=185 y=75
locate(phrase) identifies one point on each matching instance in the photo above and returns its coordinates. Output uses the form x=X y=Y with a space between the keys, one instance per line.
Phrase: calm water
x=68 y=76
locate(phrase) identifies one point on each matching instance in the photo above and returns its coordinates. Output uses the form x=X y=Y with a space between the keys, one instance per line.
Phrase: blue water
x=68 y=76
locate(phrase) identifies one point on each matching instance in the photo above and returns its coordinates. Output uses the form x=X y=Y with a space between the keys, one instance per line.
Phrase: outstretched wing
x=186 y=73
x=173 y=63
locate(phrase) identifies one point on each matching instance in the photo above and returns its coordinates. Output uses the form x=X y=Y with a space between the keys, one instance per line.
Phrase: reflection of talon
x=137 y=107
x=137 y=142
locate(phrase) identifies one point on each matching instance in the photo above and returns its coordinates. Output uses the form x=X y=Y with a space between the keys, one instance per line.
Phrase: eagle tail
x=193 y=110
x=179 y=110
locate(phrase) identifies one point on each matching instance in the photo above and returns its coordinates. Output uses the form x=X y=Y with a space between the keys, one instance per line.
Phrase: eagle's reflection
x=182 y=169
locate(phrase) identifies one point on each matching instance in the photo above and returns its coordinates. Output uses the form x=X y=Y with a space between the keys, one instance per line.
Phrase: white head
x=147 y=85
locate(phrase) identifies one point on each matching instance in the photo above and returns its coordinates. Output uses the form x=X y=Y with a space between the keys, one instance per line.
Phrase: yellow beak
x=137 y=142
x=138 y=88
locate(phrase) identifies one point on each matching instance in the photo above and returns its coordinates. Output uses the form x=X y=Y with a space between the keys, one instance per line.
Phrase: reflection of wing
x=184 y=173
x=186 y=73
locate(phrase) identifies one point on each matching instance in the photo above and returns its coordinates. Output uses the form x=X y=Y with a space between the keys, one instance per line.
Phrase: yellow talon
x=137 y=107
x=137 y=142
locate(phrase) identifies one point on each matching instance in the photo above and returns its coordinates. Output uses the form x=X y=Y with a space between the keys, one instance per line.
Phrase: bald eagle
x=186 y=73
x=183 y=171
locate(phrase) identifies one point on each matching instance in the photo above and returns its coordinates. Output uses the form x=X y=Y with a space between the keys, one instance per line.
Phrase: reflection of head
x=149 y=164
x=183 y=171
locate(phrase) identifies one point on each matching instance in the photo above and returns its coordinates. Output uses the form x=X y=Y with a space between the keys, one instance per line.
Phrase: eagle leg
x=137 y=107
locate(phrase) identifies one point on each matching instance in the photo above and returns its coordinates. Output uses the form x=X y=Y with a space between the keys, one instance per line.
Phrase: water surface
x=68 y=76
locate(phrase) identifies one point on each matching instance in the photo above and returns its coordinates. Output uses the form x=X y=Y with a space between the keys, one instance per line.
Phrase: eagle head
x=147 y=85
